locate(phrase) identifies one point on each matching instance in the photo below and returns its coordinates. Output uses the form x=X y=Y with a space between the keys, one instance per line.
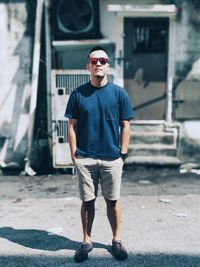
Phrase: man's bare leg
x=114 y=215
x=87 y=218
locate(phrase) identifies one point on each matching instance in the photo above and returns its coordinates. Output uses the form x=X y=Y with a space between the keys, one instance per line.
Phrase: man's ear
x=87 y=67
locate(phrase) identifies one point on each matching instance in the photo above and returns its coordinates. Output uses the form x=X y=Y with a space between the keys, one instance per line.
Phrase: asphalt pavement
x=40 y=220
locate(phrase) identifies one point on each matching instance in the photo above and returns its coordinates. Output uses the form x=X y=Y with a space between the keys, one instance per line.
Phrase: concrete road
x=40 y=220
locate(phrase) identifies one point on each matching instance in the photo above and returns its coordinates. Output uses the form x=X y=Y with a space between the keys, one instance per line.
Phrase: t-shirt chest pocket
x=112 y=112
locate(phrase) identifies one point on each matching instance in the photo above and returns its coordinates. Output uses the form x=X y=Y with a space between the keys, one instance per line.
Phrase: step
x=152 y=150
x=153 y=142
x=153 y=160
x=146 y=137
x=148 y=126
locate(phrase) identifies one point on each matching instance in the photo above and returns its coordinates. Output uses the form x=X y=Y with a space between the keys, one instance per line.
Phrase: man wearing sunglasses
x=99 y=113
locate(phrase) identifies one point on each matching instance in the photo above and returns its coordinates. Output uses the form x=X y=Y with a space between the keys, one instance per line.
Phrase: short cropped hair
x=96 y=48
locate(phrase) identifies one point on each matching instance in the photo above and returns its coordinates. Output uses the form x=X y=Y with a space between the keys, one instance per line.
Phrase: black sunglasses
x=94 y=60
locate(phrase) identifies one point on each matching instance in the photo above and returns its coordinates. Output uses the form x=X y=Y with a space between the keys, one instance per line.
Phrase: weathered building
x=154 y=49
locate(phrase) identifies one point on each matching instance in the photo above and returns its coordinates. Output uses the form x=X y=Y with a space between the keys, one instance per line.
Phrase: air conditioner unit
x=75 y=19
x=63 y=82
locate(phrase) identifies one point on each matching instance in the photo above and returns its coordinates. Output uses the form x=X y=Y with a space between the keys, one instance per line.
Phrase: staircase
x=153 y=143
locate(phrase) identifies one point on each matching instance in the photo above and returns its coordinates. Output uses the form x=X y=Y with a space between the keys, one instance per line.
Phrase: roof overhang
x=143 y=10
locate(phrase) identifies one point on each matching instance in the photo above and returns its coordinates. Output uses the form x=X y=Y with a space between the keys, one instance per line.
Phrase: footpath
x=40 y=220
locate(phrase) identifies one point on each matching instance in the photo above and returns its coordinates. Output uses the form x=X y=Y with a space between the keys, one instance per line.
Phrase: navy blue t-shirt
x=99 y=111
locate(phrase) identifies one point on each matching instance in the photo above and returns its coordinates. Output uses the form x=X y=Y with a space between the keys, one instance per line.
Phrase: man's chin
x=99 y=76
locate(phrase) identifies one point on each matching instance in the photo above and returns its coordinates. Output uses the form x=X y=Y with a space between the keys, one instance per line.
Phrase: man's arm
x=72 y=137
x=124 y=136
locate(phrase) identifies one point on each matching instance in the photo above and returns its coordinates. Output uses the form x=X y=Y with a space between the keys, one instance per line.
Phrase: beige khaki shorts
x=91 y=172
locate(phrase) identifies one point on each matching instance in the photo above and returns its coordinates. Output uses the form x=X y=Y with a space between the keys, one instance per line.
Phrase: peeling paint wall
x=188 y=41
x=187 y=80
x=16 y=39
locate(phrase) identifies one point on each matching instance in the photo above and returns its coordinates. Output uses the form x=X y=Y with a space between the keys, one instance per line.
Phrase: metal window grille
x=149 y=36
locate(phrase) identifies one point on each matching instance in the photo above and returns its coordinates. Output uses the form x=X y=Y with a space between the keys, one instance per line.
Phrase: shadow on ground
x=134 y=260
x=42 y=240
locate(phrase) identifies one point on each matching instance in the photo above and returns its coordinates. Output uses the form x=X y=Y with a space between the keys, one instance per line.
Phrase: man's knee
x=111 y=203
x=89 y=204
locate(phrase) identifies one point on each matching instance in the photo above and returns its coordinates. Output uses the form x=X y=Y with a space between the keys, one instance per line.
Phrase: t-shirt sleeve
x=126 y=109
x=71 y=111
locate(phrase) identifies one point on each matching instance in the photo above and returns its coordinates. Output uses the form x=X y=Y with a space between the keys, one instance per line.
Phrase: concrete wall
x=16 y=39
x=187 y=81
x=189 y=149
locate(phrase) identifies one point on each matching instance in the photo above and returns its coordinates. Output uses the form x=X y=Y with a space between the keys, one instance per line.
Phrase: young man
x=99 y=114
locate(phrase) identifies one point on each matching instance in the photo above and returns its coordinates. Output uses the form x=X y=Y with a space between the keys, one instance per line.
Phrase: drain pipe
x=34 y=85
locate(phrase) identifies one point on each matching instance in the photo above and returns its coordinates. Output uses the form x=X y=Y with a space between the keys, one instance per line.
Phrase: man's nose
x=98 y=62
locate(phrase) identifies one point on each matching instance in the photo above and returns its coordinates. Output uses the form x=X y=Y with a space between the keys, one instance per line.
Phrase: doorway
x=145 y=65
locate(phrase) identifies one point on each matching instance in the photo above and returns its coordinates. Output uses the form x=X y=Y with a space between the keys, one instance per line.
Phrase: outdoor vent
x=63 y=83
x=75 y=19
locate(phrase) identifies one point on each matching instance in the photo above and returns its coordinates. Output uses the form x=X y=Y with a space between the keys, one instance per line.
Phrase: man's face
x=97 y=63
